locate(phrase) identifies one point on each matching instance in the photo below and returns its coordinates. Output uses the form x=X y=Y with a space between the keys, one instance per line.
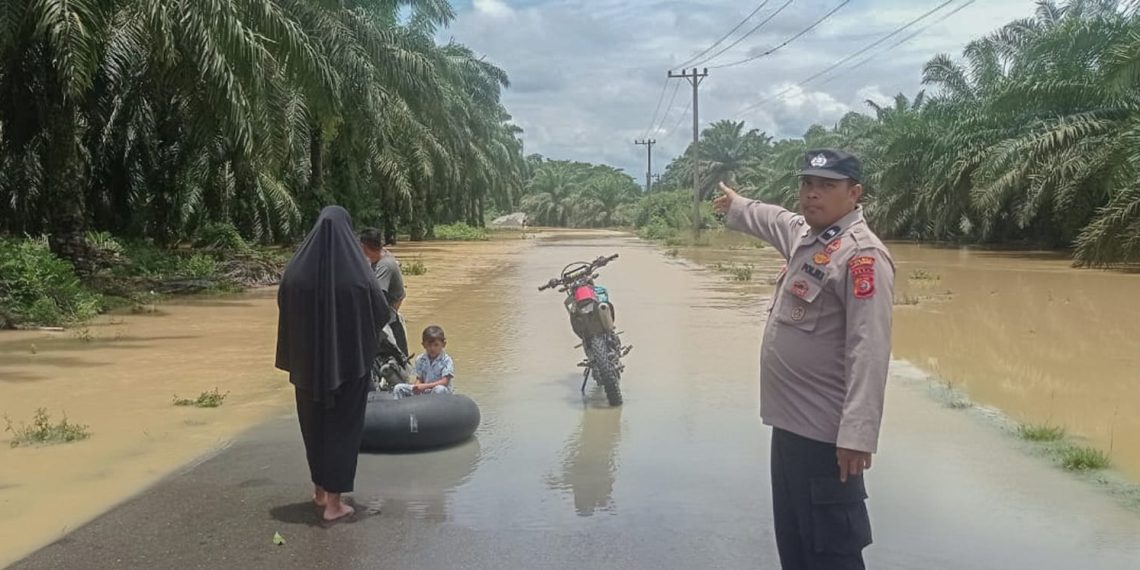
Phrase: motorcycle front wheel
x=604 y=366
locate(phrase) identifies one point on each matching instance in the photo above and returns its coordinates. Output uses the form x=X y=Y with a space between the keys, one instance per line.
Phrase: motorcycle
x=391 y=366
x=592 y=319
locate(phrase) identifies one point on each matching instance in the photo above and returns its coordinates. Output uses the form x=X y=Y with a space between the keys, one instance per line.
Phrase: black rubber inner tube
x=424 y=421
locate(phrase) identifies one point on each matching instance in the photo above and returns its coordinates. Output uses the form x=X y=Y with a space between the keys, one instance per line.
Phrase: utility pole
x=694 y=77
x=649 y=162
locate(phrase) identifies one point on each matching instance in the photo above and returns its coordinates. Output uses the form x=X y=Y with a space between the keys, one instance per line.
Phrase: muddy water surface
x=675 y=478
x=1023 y=332
x=119 y=374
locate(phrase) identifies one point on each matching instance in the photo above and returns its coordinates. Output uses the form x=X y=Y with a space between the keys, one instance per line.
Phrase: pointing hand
x=723 y=202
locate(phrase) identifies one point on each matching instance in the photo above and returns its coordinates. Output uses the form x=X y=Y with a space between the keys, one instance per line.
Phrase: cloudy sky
x=587 y=74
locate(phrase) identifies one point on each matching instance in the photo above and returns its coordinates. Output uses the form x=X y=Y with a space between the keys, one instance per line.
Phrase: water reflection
x=418 y=484
x=589 y=461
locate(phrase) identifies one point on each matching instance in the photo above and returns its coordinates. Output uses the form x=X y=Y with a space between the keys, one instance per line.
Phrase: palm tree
x=550 y=193
x=602 y=196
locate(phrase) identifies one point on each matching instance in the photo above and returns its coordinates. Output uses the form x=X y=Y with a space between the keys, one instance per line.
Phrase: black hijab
x=330 y=309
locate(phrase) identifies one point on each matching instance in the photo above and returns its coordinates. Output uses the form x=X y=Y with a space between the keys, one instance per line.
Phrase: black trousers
x=332 y=434
x=821 y=523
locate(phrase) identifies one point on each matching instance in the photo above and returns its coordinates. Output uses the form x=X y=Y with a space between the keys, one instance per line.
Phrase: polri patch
x=812 y=270
x=833 y=246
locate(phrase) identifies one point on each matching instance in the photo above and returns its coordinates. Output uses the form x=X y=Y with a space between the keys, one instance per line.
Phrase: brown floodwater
x=119 y=375
x=1023 y=332
x=675 y=478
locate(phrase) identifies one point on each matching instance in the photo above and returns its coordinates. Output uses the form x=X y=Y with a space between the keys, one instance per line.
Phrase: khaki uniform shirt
x=827 y=342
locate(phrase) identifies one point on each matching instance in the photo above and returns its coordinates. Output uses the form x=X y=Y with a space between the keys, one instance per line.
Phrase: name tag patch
x=813 y=271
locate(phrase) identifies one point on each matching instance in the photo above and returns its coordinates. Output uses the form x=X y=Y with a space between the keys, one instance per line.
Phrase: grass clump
x=460 y=232
x=924 y=275
x=736 y=272
x=414 y=267
x=1040 y=432
x=211 y=399
x=44 y=432
x=906 y=300
x=1084 y=459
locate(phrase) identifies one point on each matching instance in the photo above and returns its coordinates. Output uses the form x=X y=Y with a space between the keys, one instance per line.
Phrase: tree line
x=1032 y=137
x=157 y=119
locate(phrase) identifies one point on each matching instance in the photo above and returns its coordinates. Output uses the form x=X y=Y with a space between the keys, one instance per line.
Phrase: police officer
x=824 y=359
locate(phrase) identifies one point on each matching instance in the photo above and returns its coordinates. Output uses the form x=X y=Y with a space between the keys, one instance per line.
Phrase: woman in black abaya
x=330 y=313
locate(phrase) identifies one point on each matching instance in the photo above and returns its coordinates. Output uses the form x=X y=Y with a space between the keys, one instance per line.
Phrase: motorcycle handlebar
x=599 y=262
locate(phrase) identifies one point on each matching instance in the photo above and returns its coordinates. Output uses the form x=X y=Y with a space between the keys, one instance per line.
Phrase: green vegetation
x=1029 y=140
x=737 y=272
x=1040 y=432
x=576 y=194
x=44 y=432
x=1084 y=459
x=40 y=289
x=227 y=123
x=414 y=267
x=211 y=399
x=924 y=275
x=460 y=232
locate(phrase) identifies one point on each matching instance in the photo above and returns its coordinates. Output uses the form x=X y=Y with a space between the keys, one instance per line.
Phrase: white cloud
x=587 y=74
x=493 y=8
x=873 y=93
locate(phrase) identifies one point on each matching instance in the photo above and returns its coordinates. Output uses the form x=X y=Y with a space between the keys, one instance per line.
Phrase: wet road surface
x=676 y=478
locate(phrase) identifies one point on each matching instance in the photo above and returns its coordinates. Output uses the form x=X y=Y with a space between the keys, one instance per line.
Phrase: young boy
x=434 y=369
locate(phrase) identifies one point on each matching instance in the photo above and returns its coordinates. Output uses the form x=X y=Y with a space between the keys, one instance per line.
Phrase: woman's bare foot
x=336 y=509
x=320 y=496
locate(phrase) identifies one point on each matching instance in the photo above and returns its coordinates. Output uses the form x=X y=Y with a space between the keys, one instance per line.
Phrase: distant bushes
x=38 y=288
x=460 y=232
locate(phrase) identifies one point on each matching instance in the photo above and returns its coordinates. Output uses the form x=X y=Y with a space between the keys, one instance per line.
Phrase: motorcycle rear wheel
x=604 y=366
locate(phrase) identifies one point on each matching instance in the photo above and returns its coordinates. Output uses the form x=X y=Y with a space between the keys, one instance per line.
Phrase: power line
x=724 y=37
x=786 y=42
x=676 y=88
x=681 y=120
x=745 y=36
x=905 y=39
x=862 y=51
x=660 y=98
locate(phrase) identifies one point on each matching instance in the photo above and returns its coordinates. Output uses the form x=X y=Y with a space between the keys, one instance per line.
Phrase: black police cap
x=831 y=163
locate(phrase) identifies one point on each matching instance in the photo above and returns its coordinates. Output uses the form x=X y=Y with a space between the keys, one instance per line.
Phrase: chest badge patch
x=834 y=245
x=798 y=313
x=821 y=258
x=800 y=288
